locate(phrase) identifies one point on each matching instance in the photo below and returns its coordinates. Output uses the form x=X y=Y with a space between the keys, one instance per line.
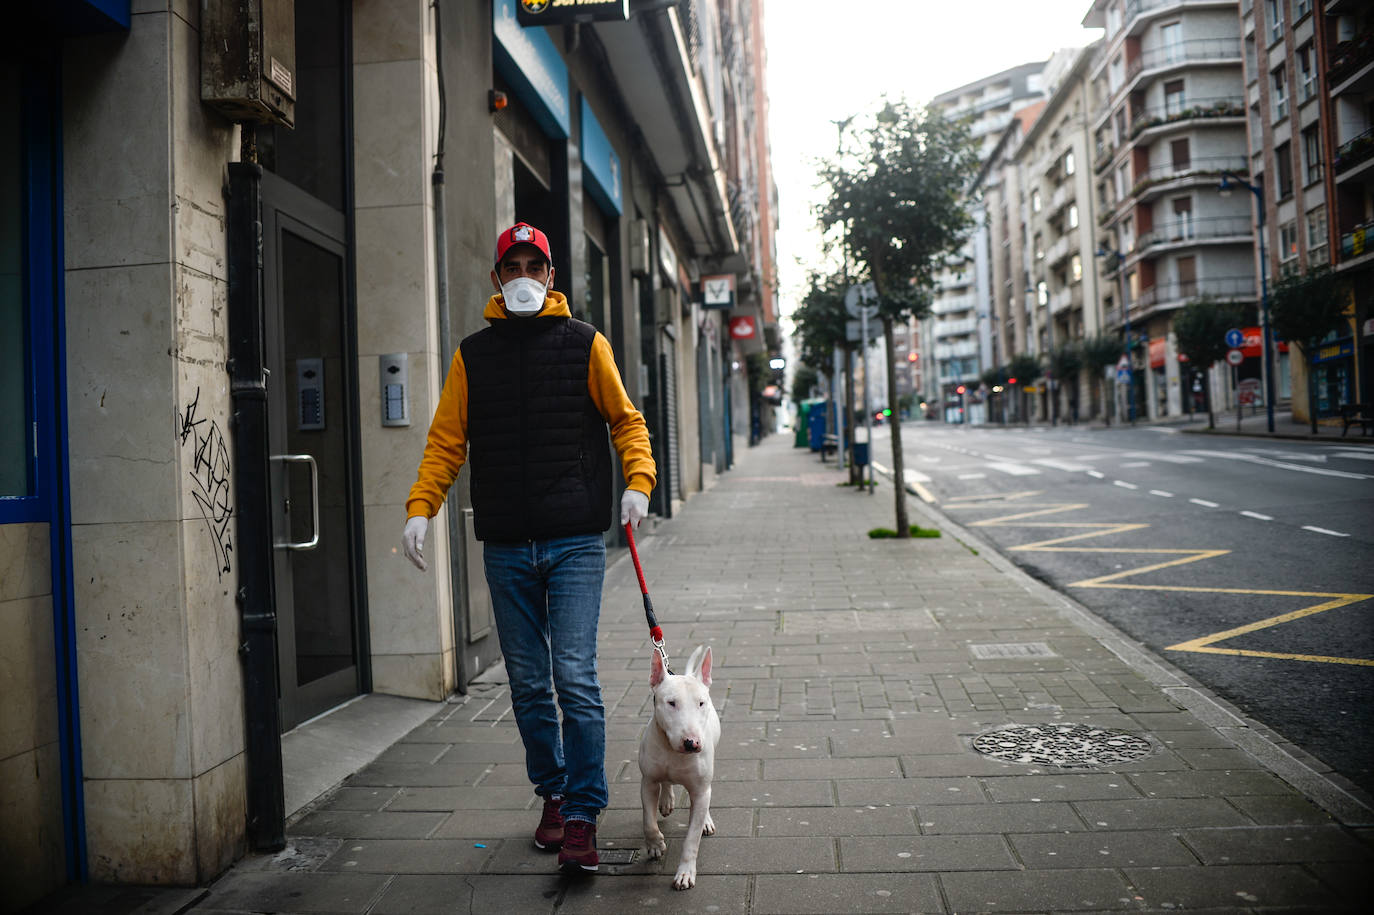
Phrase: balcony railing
x=1226 y=288
x=948 y=304
x=1354 y=151
x=1187 y=110
x=1194 y=168
x=1358 y=241
x=1348 y=57
x=1183 y=52
x=1182 y=230
x=955 y=328
x=1059 y=250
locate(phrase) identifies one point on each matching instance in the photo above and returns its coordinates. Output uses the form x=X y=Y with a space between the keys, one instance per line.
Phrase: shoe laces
x=553 y=813
x=576 y=833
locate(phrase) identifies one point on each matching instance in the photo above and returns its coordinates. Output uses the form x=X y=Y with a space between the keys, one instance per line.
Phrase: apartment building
x=1062 y=291
x=1344 y=51
x=227 y=309
x=958 y=336
x=1170 y=121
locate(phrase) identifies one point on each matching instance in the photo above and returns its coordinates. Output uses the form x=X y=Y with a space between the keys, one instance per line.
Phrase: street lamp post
x=1228 y=179
x=1126 y=326
x=1036 y=293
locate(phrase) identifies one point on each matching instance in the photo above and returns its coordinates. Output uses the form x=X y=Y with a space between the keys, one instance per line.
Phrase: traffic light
x=1011 y=381
x=887 y=411
x=959 y=390
x=913 y=357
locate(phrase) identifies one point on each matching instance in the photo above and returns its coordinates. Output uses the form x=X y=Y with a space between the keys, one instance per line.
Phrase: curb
x=1345 y=802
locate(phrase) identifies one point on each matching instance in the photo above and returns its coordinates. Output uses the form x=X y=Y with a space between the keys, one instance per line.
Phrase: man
x=526 y=403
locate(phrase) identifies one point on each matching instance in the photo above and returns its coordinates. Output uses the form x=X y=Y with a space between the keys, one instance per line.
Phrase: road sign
x=1235 y=357
x=1248 y=391
x=1234 y=338
x=852 y=331
x=861 y=298
x=1124 y=363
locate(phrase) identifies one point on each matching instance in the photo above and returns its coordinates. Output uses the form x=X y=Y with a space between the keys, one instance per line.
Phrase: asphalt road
x=1189 y=543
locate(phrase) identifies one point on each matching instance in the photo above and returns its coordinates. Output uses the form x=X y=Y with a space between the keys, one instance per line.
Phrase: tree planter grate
x=1068 y=746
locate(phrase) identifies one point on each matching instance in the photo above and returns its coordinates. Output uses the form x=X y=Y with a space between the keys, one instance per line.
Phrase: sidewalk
x=852 y=677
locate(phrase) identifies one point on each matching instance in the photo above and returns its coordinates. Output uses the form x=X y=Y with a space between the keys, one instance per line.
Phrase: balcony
x=1186 y=230
x=1356 y=242
x=1068 y=297
x=955 y=328
x=1184 y=111
x=1347 y=59
x=1197 y=50
x=1059 y=250
x=1103 y=155
x=1225 y=289
x=951 y=304
x=956 y=350
x=1206 y=167
x=1354 y=151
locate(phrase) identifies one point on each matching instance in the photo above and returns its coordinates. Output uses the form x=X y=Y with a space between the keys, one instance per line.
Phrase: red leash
x=655 y=630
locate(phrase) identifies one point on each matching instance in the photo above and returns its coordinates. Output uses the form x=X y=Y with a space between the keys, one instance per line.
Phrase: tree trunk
x=1207 y=396
x=845 y=419
x=1102 y=398
x=1311 y=389
x=898 y=463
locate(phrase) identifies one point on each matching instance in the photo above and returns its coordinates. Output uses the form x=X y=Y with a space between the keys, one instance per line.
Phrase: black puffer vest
x=537 y=445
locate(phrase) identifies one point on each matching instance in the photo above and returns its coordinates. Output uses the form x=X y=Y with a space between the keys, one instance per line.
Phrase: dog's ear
x=655 y=669
x=705 y=673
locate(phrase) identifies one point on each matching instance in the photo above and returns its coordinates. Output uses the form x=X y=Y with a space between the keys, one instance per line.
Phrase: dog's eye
x=700 y=704
x=672 y=703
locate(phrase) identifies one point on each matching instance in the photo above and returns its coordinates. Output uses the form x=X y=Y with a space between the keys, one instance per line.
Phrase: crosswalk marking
x=1322 y=530
x=1016 y=470
x=1354 y=455
x=1169 y=456
x=1057 y=464
x=1257 y=516
x=973 y=476
x=1203 y=502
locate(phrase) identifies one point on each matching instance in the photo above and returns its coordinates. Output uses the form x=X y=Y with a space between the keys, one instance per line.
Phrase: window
x=1123 y=182
x=1042 y=292
x=1069 y=166
x=1280 y=94
x=1035 y=201
x=1283 y=170
x=1132 y=287
x=1307 y=72
x=1275 y=19
x=1126 y=243
x=1039 y=247
x=1187 y=275
x=1183 y=217
x=1173 y=97
x=1116 y=73
x=1301 y=8
x=1316 y=236
x=1178 y=151
x=1076 y=268
x=16 y=464
x=1311 y=155
x=1113 y=19
x=1288 y=246
x=1120 y=122
x=1171 y=40
x=1073 y=216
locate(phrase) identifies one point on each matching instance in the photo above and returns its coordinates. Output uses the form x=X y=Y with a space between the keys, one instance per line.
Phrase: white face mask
x=524 y=296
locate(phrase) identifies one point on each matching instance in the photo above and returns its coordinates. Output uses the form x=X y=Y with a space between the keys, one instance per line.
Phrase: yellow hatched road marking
x=1203 y=645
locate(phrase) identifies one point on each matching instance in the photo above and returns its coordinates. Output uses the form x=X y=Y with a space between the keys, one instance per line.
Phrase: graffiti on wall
x=210 y=478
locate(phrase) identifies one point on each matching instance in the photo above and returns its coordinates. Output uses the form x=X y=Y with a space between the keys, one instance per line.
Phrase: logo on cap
x=522 y=233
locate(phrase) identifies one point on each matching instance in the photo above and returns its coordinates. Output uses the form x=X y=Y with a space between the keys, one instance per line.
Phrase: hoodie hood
x=555 y=306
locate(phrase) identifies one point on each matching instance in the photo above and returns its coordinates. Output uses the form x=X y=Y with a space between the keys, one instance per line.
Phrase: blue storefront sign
x=1342 y=349
x=600 y=163
x=529 y=61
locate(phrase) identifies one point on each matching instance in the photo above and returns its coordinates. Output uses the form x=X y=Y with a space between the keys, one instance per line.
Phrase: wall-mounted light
x=496 y=100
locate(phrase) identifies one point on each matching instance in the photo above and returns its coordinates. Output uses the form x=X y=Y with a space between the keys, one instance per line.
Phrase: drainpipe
x=455 y=529
x=256 y=594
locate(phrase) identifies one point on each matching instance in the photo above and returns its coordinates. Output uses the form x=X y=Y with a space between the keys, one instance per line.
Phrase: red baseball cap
x=522 y=233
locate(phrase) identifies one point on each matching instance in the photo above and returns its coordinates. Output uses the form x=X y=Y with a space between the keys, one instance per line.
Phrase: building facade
x=226 y=336
x=1170 y=122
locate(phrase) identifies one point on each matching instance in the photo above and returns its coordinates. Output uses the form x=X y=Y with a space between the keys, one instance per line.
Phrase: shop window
x=16 y=375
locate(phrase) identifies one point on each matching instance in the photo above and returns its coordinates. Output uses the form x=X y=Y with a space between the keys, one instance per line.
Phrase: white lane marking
x=1321 y=471
x=995 y=457
x=1057 y=464
x=928 y=459
x=973 y=476
x=1289 y=455
x=1162 y=493
x=1257 y=516
x=1169 y=456
x=1322 y=530
x=1096 y=474
x=1094 y=457
x=1203 y=502
x=1016 y=470
x=1354 y=455
x=1124 y=485
x=914 y=476
x=1136 y=464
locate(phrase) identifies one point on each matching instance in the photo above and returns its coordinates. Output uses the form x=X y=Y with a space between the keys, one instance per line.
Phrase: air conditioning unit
x=641 y=254
x=248 y=59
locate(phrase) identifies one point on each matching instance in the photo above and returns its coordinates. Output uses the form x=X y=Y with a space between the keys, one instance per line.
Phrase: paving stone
x=1222 y=783
x=408 y=856
x=915 y=745
x=966 y=763
x=1281 y=810
x=767 y=855
x=369 y=825
x=925 y=853
x=370 y=798
x=859 y=767
x=626 y=827
x=772 y=794
x=1097 y=890
x=1159 y=813
x=639 y=892
x=837 y=821
x=448 y=799
x=486 y=825
x=438 y=775
x=1003 y=819
x=1277 y=845
x=836 y=894
x=1101 y=849
x=469 y=895
x=1056 y=786
x=857 y=792
x=1250 y=886
x=335 y=894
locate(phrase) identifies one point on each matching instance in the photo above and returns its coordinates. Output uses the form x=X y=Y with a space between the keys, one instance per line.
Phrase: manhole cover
x=619 y=855
x=1012 y=650
x=1070 y=746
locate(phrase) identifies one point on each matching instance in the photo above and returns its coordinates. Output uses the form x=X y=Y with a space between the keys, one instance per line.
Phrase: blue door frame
x=49 y=502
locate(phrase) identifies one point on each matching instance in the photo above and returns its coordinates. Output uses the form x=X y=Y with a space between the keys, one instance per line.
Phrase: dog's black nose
x=691 y=746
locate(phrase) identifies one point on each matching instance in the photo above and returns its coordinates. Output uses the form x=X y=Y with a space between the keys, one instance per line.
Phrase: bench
x=1357 y=413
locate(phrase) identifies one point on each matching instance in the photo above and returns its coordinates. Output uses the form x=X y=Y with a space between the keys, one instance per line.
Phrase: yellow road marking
x=1204 y=644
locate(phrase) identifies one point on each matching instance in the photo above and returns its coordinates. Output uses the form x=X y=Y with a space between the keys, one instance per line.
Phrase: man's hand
x=634 y=506
x=413 y=540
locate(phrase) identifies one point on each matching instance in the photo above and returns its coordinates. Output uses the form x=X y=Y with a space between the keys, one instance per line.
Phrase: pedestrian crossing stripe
x=1207 y=644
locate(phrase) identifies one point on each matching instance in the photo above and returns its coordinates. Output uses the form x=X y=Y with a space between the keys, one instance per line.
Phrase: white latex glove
x=634 y=506
x=413 y=540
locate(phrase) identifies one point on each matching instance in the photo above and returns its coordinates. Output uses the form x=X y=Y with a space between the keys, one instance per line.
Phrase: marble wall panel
x=391 y=162
x=409 y=611
x=385 y=30
x=25 y=566
x=419 y=676
x=221 y=803
x=395 y=288
x=141 y=830
x=31 y=841
x=28 y=676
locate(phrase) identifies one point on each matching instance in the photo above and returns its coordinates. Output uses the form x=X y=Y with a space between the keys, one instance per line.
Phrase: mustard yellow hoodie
x=447 y=447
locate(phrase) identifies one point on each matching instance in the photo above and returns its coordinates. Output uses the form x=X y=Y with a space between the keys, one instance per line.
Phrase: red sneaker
x=579 y=848
x=549 y=835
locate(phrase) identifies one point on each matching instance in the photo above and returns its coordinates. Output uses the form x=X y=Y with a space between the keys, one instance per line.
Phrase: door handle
x=314 y=503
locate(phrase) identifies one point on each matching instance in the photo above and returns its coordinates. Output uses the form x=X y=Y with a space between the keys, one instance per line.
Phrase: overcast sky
x=828 y=59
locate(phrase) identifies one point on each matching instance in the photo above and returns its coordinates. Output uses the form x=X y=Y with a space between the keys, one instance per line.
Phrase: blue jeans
x=546 y=596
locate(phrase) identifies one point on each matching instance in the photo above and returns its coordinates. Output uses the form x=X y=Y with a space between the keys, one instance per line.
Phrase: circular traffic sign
x=1234 y=338
x=1235 y=357
x=862 y=298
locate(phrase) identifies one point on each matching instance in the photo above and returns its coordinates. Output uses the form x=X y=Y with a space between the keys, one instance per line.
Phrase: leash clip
x=662 y=653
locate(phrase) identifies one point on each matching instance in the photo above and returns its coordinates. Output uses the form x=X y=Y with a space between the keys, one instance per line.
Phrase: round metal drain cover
x=1070 y=746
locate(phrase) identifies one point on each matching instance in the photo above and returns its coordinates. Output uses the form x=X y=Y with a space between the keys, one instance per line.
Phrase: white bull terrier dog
x=679 y=748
